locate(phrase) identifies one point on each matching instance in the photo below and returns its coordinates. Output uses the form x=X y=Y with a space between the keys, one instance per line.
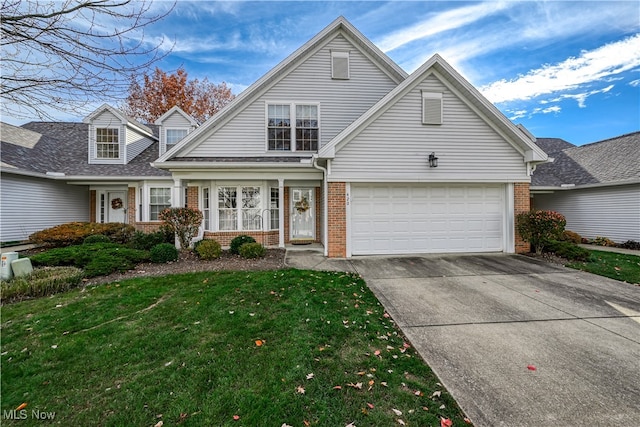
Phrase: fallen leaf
x=406 y=345
x=401 y=422
x=310 y=376
x=397 y=412
x=54 y=346
x=236 y=417
x=424 y=408
x=531 y=367
x=436 y=393
x=350 y=425
x=467 y=420
x=338 y=387
x=442 y=407
x=418 y=393
x=22 y=406
x=371 y=382
x=285 y=425
x=384 y=383
x=259 y=343
x=377 y=352
x=445 y=422
x=300 y=389
x=386 y=315
x=356 y=385
x=370 y=405
x=361 y=373
x=306 y=423
x=159 y=424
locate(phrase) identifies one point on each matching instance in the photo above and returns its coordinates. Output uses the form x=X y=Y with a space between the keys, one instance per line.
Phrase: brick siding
x=521 y=203
x=337 y=220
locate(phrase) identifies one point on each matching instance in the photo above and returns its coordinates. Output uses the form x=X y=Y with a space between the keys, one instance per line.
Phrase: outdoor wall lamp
x=433 y=160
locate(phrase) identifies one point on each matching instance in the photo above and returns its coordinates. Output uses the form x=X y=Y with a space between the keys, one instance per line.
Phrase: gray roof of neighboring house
x=614 y=160
x=63 y=147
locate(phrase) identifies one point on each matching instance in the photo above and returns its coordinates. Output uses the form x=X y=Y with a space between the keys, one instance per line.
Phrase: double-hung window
x=274 y=208
x=107 y=143
x=206 y=204
x=173 y=136
x=239 y=208
x=292 y=127
x=159 y=200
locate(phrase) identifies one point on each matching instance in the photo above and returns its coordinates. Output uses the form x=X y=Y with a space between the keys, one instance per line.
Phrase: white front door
x=116 y=206
x=302 y=214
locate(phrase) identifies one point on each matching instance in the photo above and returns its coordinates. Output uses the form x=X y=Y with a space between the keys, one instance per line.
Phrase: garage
x=426 y=218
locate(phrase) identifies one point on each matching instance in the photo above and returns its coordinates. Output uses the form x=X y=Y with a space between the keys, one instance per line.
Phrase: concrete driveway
x=480 y=322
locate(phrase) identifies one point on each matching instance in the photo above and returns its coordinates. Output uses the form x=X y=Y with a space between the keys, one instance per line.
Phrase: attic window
x=431 y=108
x=340 y=65
x=107 y=143
x=175 y=135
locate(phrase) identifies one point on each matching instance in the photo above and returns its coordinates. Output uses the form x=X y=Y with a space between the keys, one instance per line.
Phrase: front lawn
x=610 y=264
x=217 y=348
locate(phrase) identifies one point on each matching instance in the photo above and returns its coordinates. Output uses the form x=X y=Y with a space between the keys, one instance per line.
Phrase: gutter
x=325 y=204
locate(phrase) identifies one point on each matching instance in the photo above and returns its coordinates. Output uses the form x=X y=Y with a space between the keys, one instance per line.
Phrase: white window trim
x=165 y=137
x=95 y=143
x=340 y=54
x=292 y=118
x=145 y=203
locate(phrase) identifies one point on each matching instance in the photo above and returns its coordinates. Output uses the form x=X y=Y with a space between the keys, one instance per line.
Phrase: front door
x=116 y=206
x=302 y=214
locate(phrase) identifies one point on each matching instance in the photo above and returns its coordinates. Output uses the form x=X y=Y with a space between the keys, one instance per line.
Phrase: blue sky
x=567 y=69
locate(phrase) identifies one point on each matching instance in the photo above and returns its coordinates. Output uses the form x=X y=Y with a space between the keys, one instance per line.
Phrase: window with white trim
x=107 y=143
x=274 y=208
x=173 y=136
x=206 y=208
x=245 y=215
x=292 y=127
x=159 y=200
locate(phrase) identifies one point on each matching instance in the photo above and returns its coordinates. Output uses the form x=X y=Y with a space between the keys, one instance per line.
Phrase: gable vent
x=431 y=108
x=340 y=65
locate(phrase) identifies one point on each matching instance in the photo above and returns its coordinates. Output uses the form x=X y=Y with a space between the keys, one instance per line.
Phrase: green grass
x=610 y=264
x=182 y=349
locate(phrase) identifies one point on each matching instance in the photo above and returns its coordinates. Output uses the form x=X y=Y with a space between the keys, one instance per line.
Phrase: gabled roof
x=338 y=26
x=553 y=145
x=124 y=119
x=177 y=110
x=62 y=148
x=459 y=85
x=608 y=162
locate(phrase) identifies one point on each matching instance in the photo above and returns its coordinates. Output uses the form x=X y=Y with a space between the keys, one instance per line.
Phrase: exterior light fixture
x=433 y=160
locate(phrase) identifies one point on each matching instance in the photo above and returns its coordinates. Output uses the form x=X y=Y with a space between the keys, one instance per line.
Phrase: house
x=335 y=145
x=595 y=186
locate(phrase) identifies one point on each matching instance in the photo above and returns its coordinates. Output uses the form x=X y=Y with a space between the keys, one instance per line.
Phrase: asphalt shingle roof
x=614 y=160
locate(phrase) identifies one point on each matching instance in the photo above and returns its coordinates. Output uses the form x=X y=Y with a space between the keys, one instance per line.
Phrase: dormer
x=174 y=125
x=114 y=138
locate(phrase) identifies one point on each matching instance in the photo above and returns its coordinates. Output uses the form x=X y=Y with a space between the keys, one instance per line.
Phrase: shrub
x=538 y=227
x=238 y=241
x=96 y=259
x=164 y=252
x=252 y=250
x=96 y=238
x=184 y=222
x=603 y=241
x=208 y=249
x=568 y=250
x=630 y=244
x=145 y=241
x=74 y=233
x=41 y=282
x=571 y=236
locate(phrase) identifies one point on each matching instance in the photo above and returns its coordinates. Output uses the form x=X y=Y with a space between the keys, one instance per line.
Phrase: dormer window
x=107 y=143
x=173 y=136
x=292 y=127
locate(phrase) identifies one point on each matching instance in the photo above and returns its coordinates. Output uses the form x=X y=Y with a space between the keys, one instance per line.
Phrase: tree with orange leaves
x=161 y=91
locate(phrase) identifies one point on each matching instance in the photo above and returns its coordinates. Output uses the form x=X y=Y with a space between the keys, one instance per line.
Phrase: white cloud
x=635 y=83
x=590 y=66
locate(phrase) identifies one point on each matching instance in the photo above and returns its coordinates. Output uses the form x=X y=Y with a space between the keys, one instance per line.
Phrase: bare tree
x=65 y=55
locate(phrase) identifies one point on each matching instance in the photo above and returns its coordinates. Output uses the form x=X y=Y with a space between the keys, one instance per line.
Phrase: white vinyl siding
x=32 y=204
x=175 y=121
x=612 y=212
x=342 y=102
x=396 y=145
x=137 y=142
x=426 y=218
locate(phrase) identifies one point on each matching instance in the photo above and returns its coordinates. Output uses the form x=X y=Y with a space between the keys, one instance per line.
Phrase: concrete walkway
x=610 y=249
x=516 y=341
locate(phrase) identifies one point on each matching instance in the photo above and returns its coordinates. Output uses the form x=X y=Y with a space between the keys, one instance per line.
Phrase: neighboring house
x=333 y=146
x=595 y=186
x=98 y=170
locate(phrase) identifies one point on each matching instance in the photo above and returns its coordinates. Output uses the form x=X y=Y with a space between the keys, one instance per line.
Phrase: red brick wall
x=132 y=207
x=318 y=217
x=521 y=203
x=337 y=220
x=287 y=215
x=192 y=197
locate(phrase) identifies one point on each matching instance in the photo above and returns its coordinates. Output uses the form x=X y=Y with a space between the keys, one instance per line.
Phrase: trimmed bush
x=164 y=252
x=571 y=236
x=568 y=250
x=208 y=249
x=145 y=241
x=74 y=233
x=238 y=241
x=96 y=238
x=252 y=250
x=631 y=244
x=539 y=227
x=184 y=222
x=41 y=282
x=96 y=259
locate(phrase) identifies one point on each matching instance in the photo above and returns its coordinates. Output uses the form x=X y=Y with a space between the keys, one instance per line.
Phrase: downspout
x=325 y=204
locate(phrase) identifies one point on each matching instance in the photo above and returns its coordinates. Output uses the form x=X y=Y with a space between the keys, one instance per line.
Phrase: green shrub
x=603 y=241
x=538 y=227
x=568 y=250
x=41 y=282
x=145 y=241
x=164 y=252
x=252 y=250
x=571 y=236
x=96 y=258
x=184 y=222
x=208 y=249
x=74 y=233
x=96 y=238
x=238 y=241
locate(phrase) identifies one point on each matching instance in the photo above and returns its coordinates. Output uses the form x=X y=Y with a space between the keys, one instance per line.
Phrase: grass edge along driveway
x=286 y=347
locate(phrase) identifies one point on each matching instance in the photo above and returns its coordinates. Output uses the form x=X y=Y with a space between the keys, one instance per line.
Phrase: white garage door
x=400 y=219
